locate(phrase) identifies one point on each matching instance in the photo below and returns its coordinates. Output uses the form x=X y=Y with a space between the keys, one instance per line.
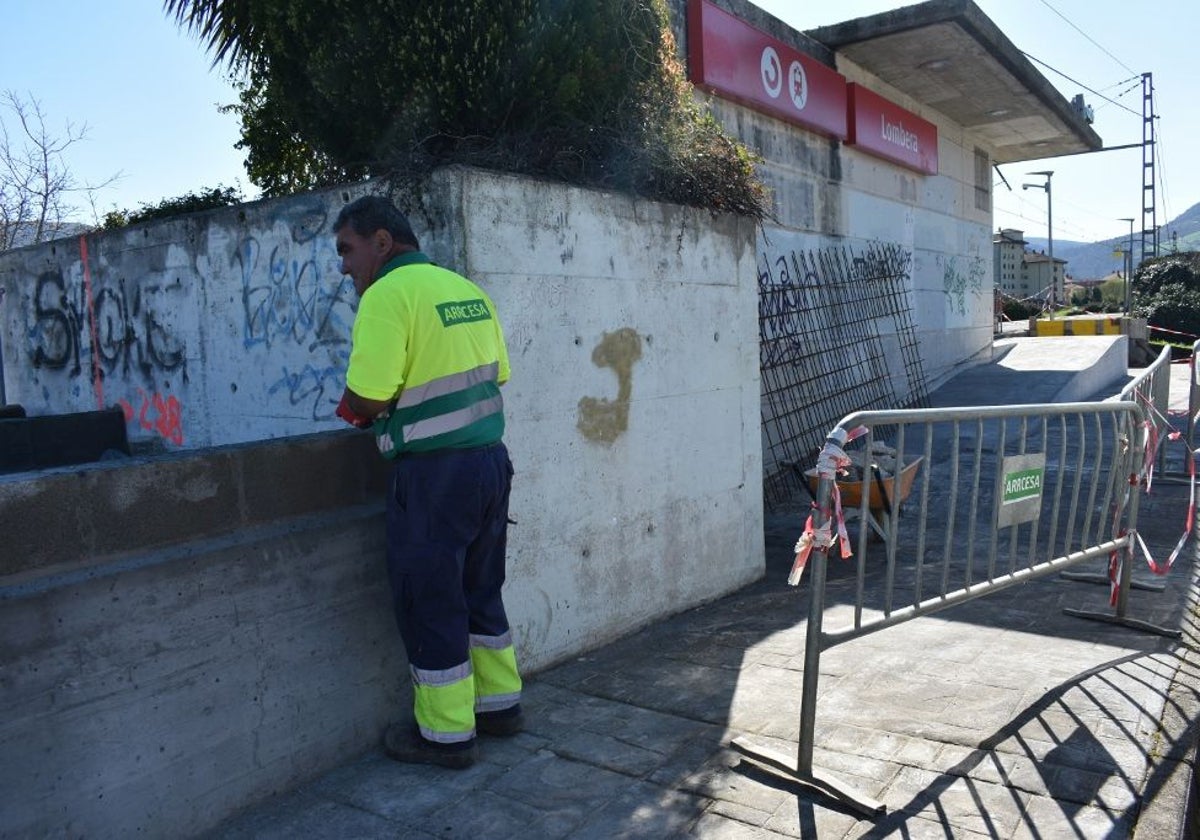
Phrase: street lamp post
x=1129 y=271
x=1054 y=290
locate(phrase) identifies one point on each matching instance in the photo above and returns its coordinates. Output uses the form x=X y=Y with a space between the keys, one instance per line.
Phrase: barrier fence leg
x=1123 y=587
x=801 y=771
x=1126 y=581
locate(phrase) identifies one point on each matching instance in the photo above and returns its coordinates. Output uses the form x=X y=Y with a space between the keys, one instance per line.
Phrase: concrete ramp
x=1040 y=370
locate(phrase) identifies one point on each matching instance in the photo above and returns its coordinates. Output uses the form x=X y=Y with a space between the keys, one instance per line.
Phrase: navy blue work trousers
x=447 y=528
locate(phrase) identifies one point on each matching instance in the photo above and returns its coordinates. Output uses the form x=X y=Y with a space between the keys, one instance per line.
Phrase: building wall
x=215 y=328
x=1036 y=278
x=830 y=194
x=1007 y=254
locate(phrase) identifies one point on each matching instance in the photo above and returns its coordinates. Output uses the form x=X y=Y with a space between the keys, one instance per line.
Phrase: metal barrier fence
x=1002 y=495
x=1193 y=398
x=1152 y=389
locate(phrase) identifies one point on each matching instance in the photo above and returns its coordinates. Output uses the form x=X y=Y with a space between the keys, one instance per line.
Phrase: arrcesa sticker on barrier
x=733 y=59
x=1020 y=493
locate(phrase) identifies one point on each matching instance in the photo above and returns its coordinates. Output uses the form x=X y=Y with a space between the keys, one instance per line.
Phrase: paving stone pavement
x=998 y=718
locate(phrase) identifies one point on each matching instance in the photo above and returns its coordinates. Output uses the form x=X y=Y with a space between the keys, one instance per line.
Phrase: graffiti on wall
x=318 y=389
x=130 y=334
x=99 y=326
x=836 y=336
x=156 y=414
x=293 y=291
x=782 y=306
x=603 y=420
x=958 y=280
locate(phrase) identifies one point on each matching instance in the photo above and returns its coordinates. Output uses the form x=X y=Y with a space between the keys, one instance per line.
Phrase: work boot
x=503 y=723
x=402 y=742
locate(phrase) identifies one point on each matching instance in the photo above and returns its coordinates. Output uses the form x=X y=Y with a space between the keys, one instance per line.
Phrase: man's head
x=370 y=231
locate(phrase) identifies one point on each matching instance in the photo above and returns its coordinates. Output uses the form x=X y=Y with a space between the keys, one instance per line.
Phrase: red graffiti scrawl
x=164 y=416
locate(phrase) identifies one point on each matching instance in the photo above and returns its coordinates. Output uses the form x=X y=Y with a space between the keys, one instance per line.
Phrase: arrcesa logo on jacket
x=463 y=312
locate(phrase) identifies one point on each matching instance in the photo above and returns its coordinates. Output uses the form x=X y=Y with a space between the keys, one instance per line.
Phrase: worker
x=426 y=364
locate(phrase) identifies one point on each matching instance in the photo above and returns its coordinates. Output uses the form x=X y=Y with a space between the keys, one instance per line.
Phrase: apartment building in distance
x=1021 y=273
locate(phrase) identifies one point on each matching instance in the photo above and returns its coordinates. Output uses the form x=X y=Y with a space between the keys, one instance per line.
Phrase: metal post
x=812 y=664
x=1129 y=271
x=1055 y=292
x=801 y=770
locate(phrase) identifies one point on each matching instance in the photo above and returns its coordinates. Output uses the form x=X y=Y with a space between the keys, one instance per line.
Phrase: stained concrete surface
x=1002 y=717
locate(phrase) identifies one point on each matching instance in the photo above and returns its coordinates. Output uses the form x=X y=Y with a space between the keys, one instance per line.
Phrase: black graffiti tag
x=128 y=333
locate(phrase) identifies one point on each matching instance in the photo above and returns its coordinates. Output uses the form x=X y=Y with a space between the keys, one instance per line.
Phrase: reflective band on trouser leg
x=444 y=703
x=497 y=683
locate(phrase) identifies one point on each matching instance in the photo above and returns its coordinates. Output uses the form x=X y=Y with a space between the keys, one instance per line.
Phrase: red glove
x=351 y=416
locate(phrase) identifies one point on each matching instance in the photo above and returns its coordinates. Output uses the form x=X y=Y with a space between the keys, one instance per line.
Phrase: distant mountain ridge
x=1094 y=260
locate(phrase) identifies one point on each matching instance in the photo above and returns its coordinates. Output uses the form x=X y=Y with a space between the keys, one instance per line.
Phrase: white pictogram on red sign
x=798 y=85
x=772 y=72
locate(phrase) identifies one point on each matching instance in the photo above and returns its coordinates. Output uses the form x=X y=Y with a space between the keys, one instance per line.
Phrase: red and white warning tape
x=1172 y=332
x=832 y=458
x=1147 y=475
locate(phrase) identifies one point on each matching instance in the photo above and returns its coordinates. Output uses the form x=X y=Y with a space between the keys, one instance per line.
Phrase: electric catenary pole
x=1149 y=212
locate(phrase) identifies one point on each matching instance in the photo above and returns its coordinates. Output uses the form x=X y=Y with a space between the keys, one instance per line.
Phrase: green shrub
x=1174 y=307
x=192 y=202
x=588 y=91
x=1181 y=269
x=1018 y=310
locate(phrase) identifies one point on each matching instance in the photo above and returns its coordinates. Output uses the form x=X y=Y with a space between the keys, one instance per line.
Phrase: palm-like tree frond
x=226 y=26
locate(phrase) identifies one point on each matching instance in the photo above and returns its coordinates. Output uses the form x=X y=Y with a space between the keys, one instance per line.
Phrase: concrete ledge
x=62 y=517
x=1107 y=364
x=1083 y=325
x=154 y=698
x=186 y=634
x=1041 y=370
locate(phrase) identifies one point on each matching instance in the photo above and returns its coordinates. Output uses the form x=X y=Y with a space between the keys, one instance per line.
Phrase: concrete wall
x=848 y=198
x=184 y=633
x=950 y=237
x=254 y=351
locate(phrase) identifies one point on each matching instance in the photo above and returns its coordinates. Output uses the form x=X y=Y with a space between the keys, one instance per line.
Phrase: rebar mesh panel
x=836 y=336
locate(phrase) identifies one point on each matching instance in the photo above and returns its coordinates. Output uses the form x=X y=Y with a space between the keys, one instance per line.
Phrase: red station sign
x=733 y=59
x=883 y=128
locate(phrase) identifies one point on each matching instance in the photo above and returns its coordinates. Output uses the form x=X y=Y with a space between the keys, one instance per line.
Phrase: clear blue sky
x=149 y=98
x=142 y=86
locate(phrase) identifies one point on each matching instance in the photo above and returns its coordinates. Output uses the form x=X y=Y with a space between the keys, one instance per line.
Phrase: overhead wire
x=1064 y=220
x=1077 y=82
x=1137 y=82
x=1135 y=79
x=1026 y=205
x=1158 y=154
x=1160 y=170
x=1085 y=35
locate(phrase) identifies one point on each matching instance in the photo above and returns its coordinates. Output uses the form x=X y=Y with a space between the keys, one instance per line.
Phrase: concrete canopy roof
x=949 y=55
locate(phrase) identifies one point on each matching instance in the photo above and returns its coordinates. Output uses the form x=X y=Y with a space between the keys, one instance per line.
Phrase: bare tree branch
x=36 y=185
